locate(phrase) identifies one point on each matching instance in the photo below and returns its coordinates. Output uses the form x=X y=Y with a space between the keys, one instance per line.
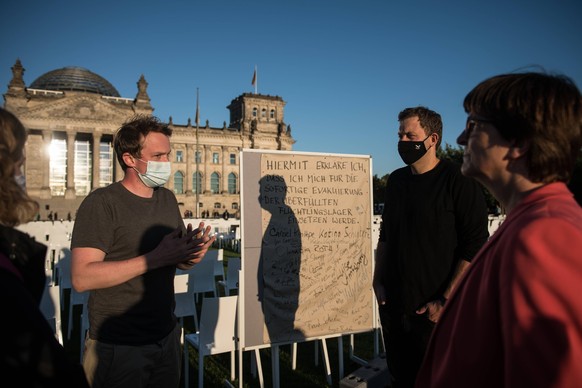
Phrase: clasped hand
x=182 y=249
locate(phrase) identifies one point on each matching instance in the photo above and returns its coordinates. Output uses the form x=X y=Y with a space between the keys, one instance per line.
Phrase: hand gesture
x=178 y=247
x=203 y=240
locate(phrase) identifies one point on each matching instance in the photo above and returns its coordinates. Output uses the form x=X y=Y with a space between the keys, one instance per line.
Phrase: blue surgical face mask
x=156 y=174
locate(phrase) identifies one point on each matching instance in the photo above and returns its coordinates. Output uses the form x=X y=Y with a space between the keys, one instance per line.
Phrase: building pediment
x=80 y=108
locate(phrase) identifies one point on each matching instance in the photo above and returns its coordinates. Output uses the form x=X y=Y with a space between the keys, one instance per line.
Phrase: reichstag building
x=73 y=113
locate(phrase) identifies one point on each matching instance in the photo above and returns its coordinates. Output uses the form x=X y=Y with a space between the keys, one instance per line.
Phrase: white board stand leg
x=259 y=367
x=316 y=352
x=253 y=367
x=275 y=365
x=326 y=358
x=340 y=354
x=294 y=356
x=240 y=367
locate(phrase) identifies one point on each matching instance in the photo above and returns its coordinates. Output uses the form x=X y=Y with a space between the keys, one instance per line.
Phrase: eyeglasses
x=472 y=121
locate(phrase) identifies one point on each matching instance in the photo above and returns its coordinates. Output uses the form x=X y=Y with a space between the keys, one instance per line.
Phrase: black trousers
x=121 y=366
x=406 y=338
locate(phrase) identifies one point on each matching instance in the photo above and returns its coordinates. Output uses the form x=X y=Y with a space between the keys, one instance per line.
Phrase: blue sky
x=345 y=68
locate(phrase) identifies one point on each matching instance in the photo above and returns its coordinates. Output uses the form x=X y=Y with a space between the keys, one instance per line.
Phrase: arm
x=435 y=307
x=379 y=270
x=472 y=233
x=89 y=270
x=459 y=271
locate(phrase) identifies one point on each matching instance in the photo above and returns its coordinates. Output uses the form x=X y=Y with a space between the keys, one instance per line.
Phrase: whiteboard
x=307 y=263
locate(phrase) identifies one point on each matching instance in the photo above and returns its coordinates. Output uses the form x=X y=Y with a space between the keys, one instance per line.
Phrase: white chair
x=63 y=267
x=76 y=299
x=201 y=279
x=232 y=275
x=50 y=306
x=52 y=261
x=217 y=334
x=217 y=255
x=185 y=306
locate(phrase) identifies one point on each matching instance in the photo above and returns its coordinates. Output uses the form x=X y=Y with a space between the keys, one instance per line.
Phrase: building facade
x=72 y=115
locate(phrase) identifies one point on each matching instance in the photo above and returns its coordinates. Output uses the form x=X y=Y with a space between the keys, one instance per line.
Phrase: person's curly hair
x=16 y=207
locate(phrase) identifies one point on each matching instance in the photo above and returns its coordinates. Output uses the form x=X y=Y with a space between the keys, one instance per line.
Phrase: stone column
x=224 y=179
x=45 y=190
x=190 y=165
x=96 y=160
x=70 y=191
x=207 y=159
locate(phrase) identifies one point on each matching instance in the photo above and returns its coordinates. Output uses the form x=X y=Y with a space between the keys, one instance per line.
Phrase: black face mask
x=411 y=151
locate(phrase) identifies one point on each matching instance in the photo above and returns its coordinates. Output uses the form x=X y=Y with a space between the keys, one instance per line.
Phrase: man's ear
x=435 y=136
x=128 y=159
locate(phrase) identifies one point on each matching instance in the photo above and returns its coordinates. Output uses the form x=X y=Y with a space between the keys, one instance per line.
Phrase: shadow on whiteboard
x=279 y=264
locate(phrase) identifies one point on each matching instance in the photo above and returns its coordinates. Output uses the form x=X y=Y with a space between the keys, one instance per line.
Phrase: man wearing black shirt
x=434 y=222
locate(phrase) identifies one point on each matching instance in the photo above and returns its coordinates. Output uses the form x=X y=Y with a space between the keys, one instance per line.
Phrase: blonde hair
x=16 y=207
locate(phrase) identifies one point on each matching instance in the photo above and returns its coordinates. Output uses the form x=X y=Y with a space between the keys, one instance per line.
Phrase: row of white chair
x=200 y=280
x=217 y=334
x=214 y=334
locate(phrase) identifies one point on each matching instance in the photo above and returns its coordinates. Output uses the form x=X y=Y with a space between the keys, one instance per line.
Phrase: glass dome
x=74 y=79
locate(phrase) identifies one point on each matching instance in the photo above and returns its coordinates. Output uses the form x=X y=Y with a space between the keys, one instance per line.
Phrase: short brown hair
x=429 y=120
x=129 y=138
x=542 y=109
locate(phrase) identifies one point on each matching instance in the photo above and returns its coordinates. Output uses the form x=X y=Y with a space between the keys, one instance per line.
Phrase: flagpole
x=255 y=79
x=196 y=156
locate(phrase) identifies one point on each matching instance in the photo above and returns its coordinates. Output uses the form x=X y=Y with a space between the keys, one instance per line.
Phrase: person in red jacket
x=515 y=318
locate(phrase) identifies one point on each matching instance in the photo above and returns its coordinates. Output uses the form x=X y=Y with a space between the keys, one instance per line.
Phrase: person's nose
x=462 y=139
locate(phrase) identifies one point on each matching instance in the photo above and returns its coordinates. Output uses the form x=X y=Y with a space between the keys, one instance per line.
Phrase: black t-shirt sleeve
x=94 y=225
x=470 y=216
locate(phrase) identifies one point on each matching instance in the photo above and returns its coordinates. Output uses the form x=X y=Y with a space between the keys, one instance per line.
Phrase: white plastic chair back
x=50 y=306
x=218 y=325
x=184 y=297
x=75 y=299
x=63 y=268
x=217 y=333
x=201 y=278
x=232 y=275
